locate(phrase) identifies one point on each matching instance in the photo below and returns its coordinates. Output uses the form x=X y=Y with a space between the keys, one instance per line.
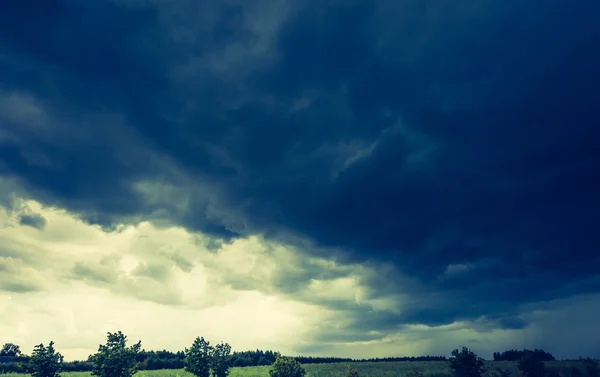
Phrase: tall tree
x=465 y=363
x=198 y=358
x=221 y=354
x=45 y=361
x=531 y=365
x=115 y=359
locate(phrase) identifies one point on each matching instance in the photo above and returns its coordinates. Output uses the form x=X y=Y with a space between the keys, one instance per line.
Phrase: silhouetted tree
x=465 y=363
x=45 y=361
x=10 y=350
x=115 y=359
x=531 y=365
x=198 y=358
x=220 y=360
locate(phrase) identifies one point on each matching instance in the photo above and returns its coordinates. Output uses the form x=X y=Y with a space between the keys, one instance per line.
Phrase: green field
x=380 y=369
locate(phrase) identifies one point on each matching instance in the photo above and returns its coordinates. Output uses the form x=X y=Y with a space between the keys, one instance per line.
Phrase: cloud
x=32 y=220
x=444 y=163
x=251 y=292
x=14 y=278
x=106 y=281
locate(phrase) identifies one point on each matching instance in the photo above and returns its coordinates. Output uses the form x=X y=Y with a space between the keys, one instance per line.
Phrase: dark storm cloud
x=429 y=135
x=33 y=219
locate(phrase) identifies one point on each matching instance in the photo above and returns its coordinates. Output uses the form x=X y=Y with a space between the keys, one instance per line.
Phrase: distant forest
x=513 y=355
x=154 y=360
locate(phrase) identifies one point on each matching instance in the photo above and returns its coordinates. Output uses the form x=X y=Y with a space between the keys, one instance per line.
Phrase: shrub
x=45 y=361
x=531 y=365
x=198 y=358
x=286 y=367
x=465 y=363
x=351 y=372
x=114 y=359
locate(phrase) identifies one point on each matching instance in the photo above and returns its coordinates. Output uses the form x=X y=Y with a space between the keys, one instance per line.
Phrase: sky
x=338 y=178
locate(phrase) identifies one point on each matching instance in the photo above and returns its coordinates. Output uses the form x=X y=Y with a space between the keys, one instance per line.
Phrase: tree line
x=203 y=359
x=116 y=359
x=530 y=363
x=13 y=360
x=258 y=357
x=514 y=355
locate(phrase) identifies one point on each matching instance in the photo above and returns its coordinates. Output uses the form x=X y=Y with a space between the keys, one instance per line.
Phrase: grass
x=380 y=369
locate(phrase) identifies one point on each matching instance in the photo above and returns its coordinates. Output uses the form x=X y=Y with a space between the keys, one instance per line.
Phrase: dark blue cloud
x=422 y=134
x=32 y=219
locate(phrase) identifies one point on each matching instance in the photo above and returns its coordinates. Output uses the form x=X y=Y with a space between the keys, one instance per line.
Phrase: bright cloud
x=72 y=282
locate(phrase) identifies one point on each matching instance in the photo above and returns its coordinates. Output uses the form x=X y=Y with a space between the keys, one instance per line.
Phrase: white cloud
x=85 y=282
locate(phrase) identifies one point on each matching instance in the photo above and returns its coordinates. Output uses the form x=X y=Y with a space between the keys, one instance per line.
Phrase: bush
x=45 y=361
x=465 y=363
x=531 y=365
x=286 y=367
x=198 y=358
x=114 y=359
x=351 y=372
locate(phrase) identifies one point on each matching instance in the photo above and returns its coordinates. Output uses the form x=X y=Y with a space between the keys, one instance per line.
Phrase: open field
x=380 y=369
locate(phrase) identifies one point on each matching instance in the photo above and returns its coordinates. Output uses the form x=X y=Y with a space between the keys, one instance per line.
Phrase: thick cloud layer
x=458 y=143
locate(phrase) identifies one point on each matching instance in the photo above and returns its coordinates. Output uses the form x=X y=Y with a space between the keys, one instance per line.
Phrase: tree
x=198 y=358
x=10 y=350
x=286 y=367
x=221 y=354
x=531 y=365
x=45 y=361
x=465 y=363
x=115 y=359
